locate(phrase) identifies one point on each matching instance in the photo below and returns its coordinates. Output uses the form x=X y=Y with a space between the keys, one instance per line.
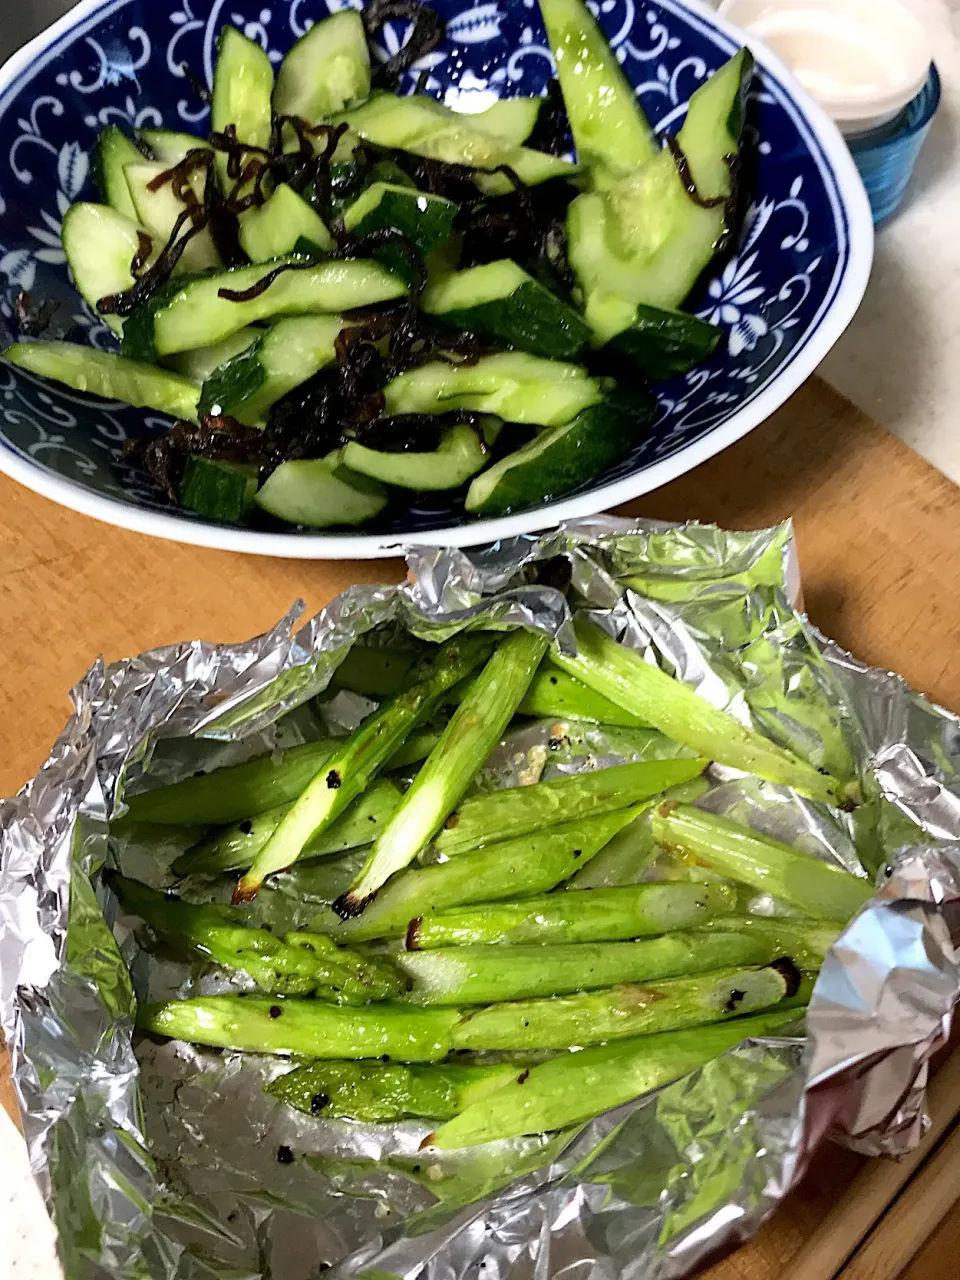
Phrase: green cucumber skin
x=233 y=383
x=218 y=490
x=114 y=150
x=428 y=228
x=597 y=437
x=664 y=343
x=531 y=319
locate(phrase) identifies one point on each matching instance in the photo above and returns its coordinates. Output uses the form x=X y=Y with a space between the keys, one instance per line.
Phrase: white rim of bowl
x=304 y=546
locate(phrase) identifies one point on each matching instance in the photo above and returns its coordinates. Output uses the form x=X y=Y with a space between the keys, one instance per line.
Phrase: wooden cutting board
x=879 y=539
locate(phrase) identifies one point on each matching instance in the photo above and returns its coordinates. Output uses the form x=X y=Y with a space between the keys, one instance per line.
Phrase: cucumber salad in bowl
x=345 y=297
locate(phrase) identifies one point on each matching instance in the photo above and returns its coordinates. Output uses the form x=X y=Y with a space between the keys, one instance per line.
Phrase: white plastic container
x=863 y=60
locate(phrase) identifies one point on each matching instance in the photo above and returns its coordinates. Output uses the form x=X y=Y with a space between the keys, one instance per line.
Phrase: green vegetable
x=633 y=911
x=484 y=974
x=663 y=343
x=235 y=847
x=459 y=455
x=610 y=132
x=806 y=942
x=100 y=245
x=159 y=209
x=426 y=221
x=233 y=793
x=626 y=1010
x=326 y=70
x=355 y=763
x=114 y=151
x=242 y=88
x=295 y=965
x=376 y=673
x=553 y=692
x=500 y=301
x=218 y=490
x=168 y=145
x=276 y=227
x=529 y=865
x=104 y=373
x=624 y=677
x=320 y=493
x=813 y=886
x=502 y=815
x=307 y=1028
x=574 y=1087
x=379 y=1093
x=468 y=739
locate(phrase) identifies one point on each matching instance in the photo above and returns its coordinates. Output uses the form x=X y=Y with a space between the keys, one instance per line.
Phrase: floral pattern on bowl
x=783 y=298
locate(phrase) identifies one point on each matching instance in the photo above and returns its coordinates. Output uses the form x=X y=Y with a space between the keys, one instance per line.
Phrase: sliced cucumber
x=170 y=147
x=192 y=314
x=563 y=458
x=219 y=490
x=664 y=343
x=514 y=386
x=199 y=364
x=158 y=210
x=501 y=301
x=274 y=230
x=509 y=119
x=287 y=354
x=424 y=127
x=610 y=131
x=242 y=91
x=100 y=245
x=425 y=220
x=326 y=70
x=645 y=240
x=318 y=492
x=105 y=374
x=113 y=153
x=459 y=455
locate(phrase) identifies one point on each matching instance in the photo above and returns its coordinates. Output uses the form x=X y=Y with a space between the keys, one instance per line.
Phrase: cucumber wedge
x=501 y=301
x=192 y=314
x=287 y=354
x=610 y=131
x=168 y=146
x=219 y=490
x=513 y=385
x=459 y=455
x=242 y=91
x=275 y=229
x=199 y=364
x=563 y=458
x=425 y=220
x=646 y=240
x=424 y=127
x=664 y=343
x=509 y=119
x=159 y=210
x=326 y=70
x=318 y=493
x=103 y=373
x=100 y=245
x=113 y=153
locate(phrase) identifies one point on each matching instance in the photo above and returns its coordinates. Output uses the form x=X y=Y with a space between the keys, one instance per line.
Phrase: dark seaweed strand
x=551 y=133
x=32 y=321
x=196 y=84
x=416 y=432
x=733 y=209
x=319 y=172
x=142 y=255
x=127 y=301
x=686 y=177
x=226 y=140
x=427 y=32
x=221 y=439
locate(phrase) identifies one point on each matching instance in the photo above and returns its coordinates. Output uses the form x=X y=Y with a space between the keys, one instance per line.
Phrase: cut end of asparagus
x=412 y=941
x=791 y=975
x=246 y=889
x=427 y=1142
x=348 y=906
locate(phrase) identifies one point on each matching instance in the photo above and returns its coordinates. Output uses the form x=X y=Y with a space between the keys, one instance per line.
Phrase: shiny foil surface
x=159 y=1159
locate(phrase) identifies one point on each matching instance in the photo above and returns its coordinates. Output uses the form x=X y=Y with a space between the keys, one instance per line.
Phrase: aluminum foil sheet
x=161 y=1160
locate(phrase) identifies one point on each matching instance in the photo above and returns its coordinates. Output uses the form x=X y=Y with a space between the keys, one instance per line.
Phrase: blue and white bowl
x=782 y=300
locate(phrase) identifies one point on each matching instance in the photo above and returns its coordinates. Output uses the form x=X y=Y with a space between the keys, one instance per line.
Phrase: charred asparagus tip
x=427 y=1142
x=244 y=892
x=348 y=906
x=412 y=942
x=789 y=972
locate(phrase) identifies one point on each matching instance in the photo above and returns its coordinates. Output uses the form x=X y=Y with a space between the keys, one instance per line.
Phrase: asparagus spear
x=464 y=745
x=357 y=761
x=297 y=964
x=813 y=886
x=624 y=677
x=502 y=815
x=307 y=1028
x=233 y=793
x=375 y=673
x=627 y=1010
x=574 y=1087
x=377 y=1093
x=531 y=864
x=806 y=942
x=634 y=911
x=553 y=692
x=236 y=847
x=485 y=975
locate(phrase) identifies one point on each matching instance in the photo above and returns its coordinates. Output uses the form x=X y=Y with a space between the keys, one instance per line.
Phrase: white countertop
x=899 y=361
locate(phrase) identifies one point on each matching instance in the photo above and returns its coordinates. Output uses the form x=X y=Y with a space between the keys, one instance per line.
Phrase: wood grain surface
x=878 y=533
